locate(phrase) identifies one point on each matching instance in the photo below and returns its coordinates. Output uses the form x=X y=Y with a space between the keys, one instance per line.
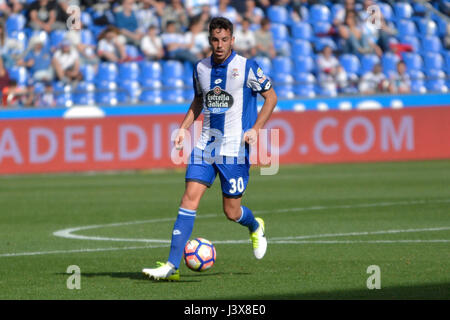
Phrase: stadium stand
x=419 y=35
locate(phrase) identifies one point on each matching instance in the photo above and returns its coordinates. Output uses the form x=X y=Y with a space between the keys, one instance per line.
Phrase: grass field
x=325 y=224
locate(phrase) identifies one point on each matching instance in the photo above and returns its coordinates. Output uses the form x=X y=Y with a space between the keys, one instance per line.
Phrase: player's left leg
x=234 y=180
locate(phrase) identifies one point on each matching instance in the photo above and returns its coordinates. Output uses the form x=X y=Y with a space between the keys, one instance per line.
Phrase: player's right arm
x=192 y=114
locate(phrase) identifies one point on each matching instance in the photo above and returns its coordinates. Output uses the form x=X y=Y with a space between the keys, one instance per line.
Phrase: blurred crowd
x=132 y=30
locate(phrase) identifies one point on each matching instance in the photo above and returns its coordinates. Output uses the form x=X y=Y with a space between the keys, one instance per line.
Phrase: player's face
x=221 y=42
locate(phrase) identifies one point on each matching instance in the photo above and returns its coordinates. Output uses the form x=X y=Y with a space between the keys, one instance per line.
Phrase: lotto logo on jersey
x=218 y=100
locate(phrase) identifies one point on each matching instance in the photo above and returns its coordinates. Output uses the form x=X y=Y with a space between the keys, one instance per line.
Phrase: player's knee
x=189 y=201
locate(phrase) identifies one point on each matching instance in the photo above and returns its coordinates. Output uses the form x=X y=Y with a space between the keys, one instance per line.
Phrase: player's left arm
x=270 y=102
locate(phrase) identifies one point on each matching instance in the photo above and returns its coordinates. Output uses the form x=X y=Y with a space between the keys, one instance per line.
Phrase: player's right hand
x=179 y=138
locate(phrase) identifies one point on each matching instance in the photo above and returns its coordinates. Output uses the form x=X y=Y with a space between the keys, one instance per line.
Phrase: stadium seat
x=319 y=12
x=282 y=47
x=86 y=19
x=302 y=30
x=151 y=96
x=417 y=81
x=265 y=63
x=437 y=85
x=63 y=94
x=433 y=60
x=427 y=27
x=279 y=31
x=337 y=9
x=173 y=90
x=21 y=37
x=129 y=91
x=431 y=44
x=403 y=10
x=321 y=28
x=172 y=69
x=84 y=93
x=303 y=64
x=413 y=41
x=412 y=60
x=386 y=11
x=282 y=65
x=20 y=74
x=15 y=22
x=88 y=72
x=389 y=63
x=278 y=14
x=129 y=71
x=350 y=63
x=301 y=47
x=320 y=43
x=304 y=85
x=87 y=37
x=56 y=37
x=150 y=71
x=406 y=28
x=106 y=93
x=368 y=61
x=107 y=71
x=447 y=61
x=132 y=51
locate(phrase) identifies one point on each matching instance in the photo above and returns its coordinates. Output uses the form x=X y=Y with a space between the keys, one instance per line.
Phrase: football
x=199 y=254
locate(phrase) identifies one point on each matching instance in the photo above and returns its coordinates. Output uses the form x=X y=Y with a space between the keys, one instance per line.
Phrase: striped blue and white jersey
x=229 y=92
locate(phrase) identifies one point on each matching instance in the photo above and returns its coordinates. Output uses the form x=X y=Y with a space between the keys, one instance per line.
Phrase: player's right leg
x=199 y=176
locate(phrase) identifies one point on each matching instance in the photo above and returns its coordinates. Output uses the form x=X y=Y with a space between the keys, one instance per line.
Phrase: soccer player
x=226 y=87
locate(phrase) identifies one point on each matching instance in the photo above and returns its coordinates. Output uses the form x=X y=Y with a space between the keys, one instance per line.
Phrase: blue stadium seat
x=87 y=37
x=132 y=51
x=15 y=22
x=282 y=47
x=56 y=37
x=403 y=10
x=447 y=61
x=427 y=27
x=86 y=19
x=386 y=11
x=433 y=60
x=88 y=72
x=279 y=31
x=84 y=93
x=436 y=81
x=431 y=44
x=21 y=37
x=151 y=96
x=302 y=30
x=304 y=85
x=20 y=74
x=389 y=63
x=319 y=12
x=150 y=71
x=278 y=14
x=441 y=25
x=130 y=91
x=304 y=64
x=106 y=93
x=265 y=63
x=413 y=41
x=172 y=69
x=337 y=9
x=368 y=61
x=406 y=28
x=320 y=43
x=282 y=65
x=63 y=94
x=417 y=81
x=188 y=94
x=350 y=63
x=321 y=27
x=129 y=71
x=301 y=47
x=413 y=61
x=107 y=71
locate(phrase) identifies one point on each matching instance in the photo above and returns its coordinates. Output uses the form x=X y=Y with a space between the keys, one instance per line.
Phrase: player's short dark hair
x=220 y=23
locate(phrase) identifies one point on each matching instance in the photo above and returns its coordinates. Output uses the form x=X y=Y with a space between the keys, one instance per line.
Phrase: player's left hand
x=251 y=137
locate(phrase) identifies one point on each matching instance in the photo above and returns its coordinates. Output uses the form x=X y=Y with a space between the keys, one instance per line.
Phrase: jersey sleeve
x=196 y=82
x=256 y=79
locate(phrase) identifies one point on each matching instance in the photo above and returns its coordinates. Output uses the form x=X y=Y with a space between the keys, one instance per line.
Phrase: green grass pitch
x=326 y=224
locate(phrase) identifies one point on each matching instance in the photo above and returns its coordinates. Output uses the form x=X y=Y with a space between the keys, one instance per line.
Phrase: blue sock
x=247 y=219
x=182 y=230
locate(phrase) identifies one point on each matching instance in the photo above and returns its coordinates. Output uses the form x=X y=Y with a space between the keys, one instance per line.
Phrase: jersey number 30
x=237 y=186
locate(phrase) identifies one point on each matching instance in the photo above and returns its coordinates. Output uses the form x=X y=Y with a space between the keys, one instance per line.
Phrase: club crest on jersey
x=218 y=100
x=235 y=72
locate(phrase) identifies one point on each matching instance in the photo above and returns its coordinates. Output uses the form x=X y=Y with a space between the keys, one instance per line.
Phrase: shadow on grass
x=435 y=291
x=185 y=277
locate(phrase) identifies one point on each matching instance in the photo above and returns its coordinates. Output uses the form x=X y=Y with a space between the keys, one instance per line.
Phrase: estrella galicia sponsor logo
x=218 y=100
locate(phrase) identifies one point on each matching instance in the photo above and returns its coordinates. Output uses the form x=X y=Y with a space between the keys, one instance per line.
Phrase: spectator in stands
x=66 y=63
x=127 y=23
x=4 y=76
x=197 y=40
x=109 y=47
x=297 y=10
x=86 y=50
x=446 y=38
x=47 y=98
x=264 y=40
x=253 y=13
x=400 y=82
x=332 y=75
x=373 y=81
x=205 y=17
x=386 y=31
x=16 y=6
x=12 y=94
x=38 y=61
x=151 y=44
x=42 y=16
x=10 y=48
x=227 y=11
x=355 y=41
x=174 y=12
x=244 y=43
x=174 y=44
x=195 y=7
x=146 y=15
